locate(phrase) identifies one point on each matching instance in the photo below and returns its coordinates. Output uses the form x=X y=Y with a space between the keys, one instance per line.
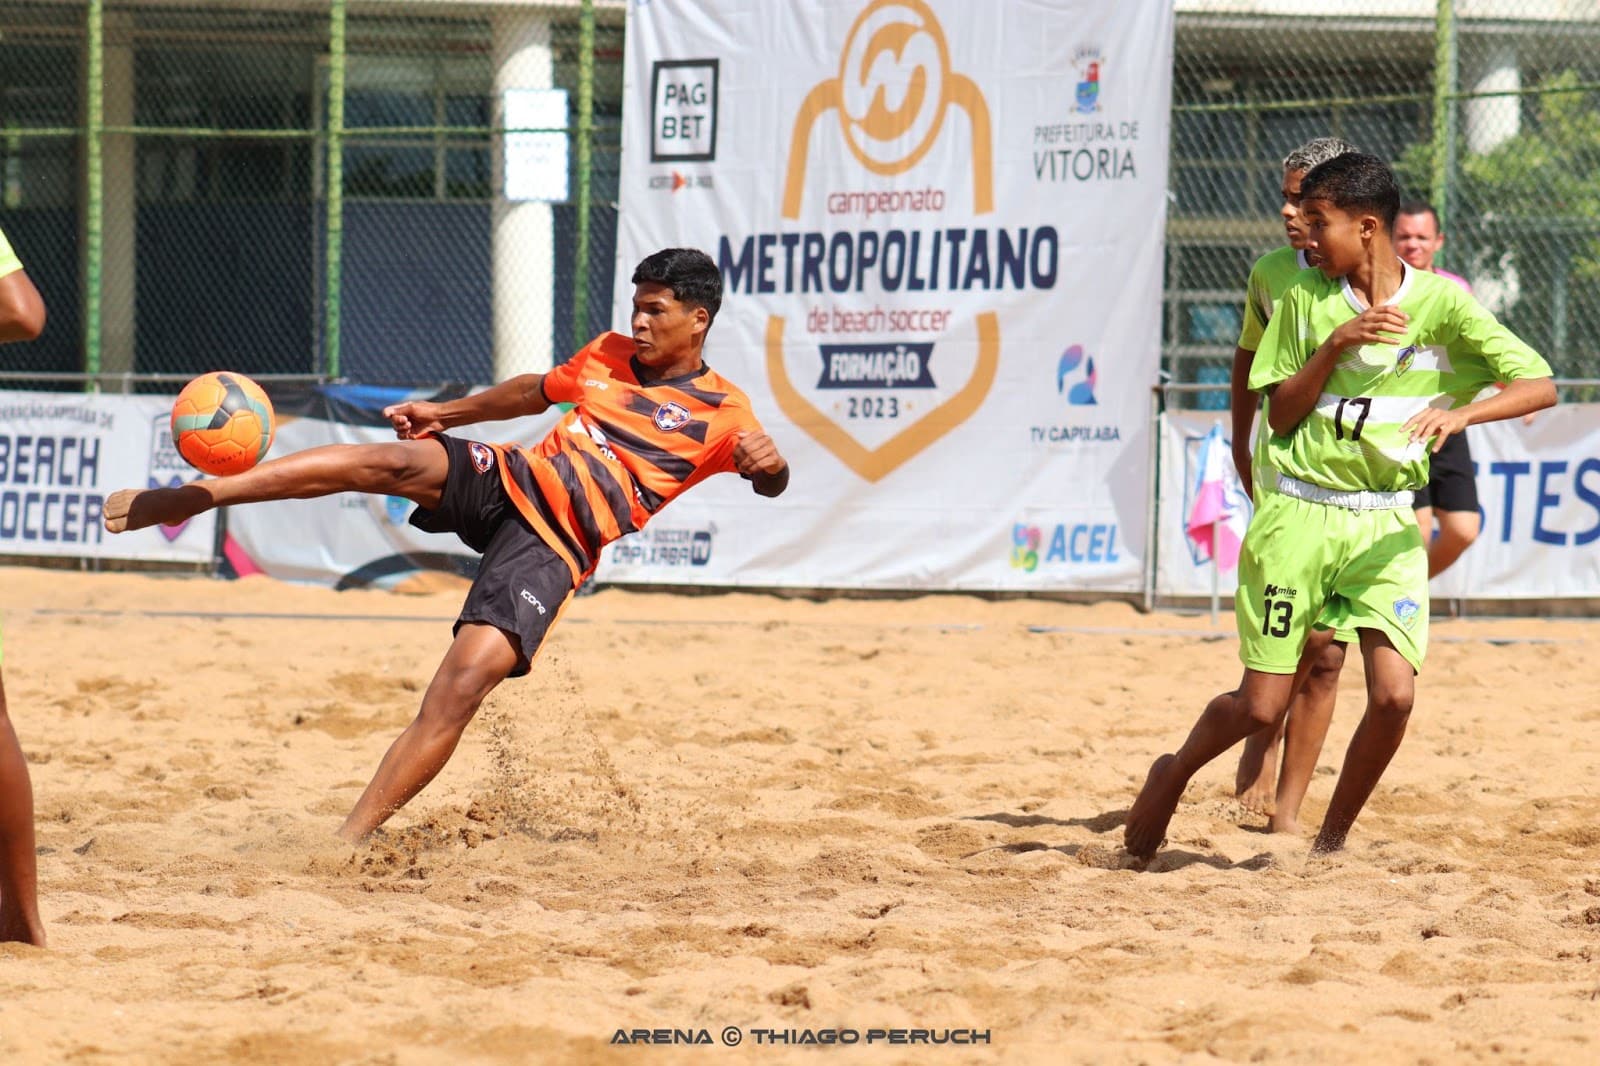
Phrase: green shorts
x=1308 y=565
x=1265 y=485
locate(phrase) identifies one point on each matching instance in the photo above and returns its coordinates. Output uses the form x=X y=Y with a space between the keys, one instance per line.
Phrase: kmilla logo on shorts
x=531 y=598
x=482 y=456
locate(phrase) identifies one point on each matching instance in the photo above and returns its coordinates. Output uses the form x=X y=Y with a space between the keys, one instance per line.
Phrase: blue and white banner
x=1538 y=491
x=62 y=454
x=940 y=229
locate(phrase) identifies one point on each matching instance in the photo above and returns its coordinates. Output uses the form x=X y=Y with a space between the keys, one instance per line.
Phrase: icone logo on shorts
x=482 y=456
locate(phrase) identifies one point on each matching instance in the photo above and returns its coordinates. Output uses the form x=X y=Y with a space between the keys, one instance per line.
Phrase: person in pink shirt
x=1451 y=496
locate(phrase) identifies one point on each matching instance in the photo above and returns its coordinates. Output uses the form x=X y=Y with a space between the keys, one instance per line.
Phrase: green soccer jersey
x=1269 y=277
x=9 y=263
x=1353 y=439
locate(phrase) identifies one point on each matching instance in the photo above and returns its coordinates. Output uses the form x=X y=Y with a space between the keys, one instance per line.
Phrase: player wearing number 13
x=1370 y=366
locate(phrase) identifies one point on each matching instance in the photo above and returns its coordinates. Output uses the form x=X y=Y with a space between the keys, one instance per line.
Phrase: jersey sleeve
x=1486 y=353
x=1257 y=309
x=562 y=385
x=9 y=263
x=1283 y=344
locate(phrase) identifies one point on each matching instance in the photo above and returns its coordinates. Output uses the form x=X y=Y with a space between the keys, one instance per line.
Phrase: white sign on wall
x=940 y=228
x=62 y=454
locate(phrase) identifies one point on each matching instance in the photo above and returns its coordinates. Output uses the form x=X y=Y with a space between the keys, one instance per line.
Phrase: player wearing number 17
x=1370 y=366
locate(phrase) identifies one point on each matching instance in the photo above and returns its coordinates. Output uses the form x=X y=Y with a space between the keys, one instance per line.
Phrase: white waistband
x=1351 y=501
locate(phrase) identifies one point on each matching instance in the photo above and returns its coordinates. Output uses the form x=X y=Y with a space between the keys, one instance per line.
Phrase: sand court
x=704 y=813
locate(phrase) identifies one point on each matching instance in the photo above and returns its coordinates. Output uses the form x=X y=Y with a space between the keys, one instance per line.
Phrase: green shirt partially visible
x=9 y=263
x=1269 y=277
x=1354 y=438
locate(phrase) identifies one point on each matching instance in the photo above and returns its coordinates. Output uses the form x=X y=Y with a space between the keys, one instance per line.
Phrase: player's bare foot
x=128 y=509
x=1146 y=827
x=19 y=928
x=1256 y=793
x=1284 y=823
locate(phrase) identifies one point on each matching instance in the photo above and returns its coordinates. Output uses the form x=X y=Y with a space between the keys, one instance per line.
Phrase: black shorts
x=1451 y=486
x=522 y=583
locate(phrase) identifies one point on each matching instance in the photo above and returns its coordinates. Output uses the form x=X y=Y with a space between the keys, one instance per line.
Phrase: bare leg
x=1391 y=690
x=1309 y=717
x=19 y=901
x=1255 y=779
x=414 y=469
x=1258 y=701
x=479 y=659
x=1457 y=531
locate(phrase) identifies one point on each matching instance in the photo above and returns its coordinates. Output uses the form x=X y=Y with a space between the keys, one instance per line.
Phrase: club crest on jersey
x=1406 y=611
x=1406 y=356
x=671 y=416
x=482 y=456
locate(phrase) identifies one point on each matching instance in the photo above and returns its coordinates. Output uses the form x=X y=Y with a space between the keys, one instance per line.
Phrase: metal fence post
x=580 y=281
x=94 y=207
x=1446 y=88
x=335 y=173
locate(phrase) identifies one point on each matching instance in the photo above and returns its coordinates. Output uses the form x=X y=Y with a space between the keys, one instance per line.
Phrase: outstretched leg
x=1391 y=690
x=1258 y=702
x=414 y=469
x=479 y=658
x=1309 y=717
x=19 y=902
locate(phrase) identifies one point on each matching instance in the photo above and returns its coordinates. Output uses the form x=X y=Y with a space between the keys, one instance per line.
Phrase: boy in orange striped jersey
x=650 y=419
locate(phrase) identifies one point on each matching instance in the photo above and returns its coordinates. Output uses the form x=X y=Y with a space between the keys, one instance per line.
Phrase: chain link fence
x=317 y=189
x=1486 y=108
x=306 y=190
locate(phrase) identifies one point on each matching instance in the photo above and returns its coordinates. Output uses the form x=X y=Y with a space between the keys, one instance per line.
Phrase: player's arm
x=512 y=398
x=1294 y=397
x=22 y=312
x=756 y=458
x=1242 y=404
x=1517 y=398
x=1522 y=377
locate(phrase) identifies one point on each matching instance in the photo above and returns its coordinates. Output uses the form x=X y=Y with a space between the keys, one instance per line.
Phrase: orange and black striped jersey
x=624 y=451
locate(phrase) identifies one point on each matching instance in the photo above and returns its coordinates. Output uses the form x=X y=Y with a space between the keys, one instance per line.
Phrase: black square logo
x=683 y=111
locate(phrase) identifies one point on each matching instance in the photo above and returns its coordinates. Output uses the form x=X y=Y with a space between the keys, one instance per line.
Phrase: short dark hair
x=688 y=272
x=1420 y=207
x=1356 y=181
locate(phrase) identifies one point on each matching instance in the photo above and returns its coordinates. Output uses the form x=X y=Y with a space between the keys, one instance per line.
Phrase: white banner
x=939 y=225
x=1538 y=489
x=62 y=454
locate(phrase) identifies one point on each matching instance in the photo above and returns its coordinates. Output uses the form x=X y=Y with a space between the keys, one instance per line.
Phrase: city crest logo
x=895 y=51
x=1088 y=62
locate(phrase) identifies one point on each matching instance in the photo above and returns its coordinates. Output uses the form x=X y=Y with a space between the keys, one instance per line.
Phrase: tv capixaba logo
x=891 y=97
